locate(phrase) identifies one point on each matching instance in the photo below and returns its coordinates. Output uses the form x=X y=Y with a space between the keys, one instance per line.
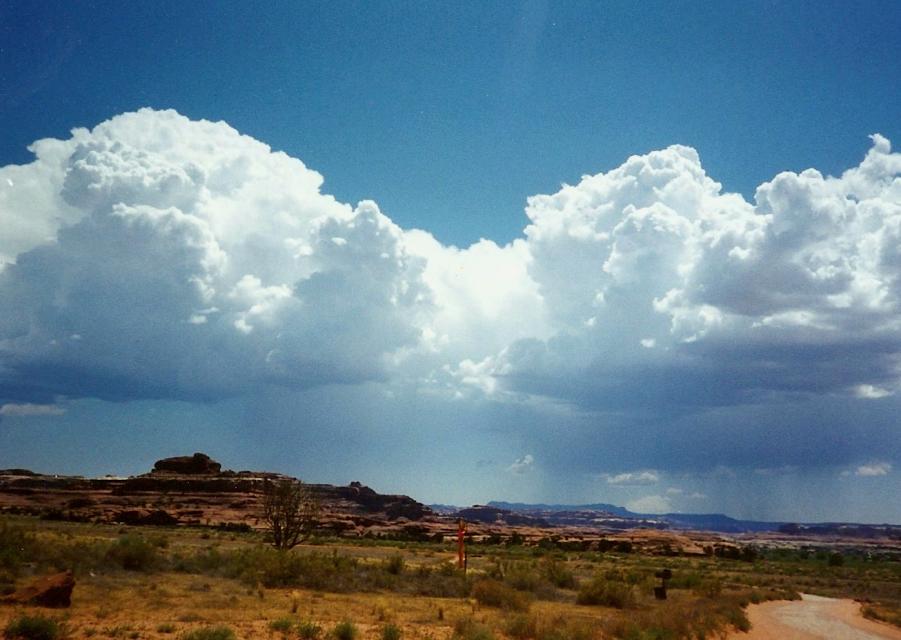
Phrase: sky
x=644 y=254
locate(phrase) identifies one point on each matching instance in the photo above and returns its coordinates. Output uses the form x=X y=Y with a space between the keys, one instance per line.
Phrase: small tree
x=290 y=512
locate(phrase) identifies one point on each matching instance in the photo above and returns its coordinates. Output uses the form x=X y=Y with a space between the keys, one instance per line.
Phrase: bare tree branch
x=290 y=512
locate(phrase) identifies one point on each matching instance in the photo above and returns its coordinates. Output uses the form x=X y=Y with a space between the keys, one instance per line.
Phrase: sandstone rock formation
x=198 y=464
x=50 y=591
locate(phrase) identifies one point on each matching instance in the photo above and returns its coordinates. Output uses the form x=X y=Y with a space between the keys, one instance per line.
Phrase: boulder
x=50 y=591
x=198 y=464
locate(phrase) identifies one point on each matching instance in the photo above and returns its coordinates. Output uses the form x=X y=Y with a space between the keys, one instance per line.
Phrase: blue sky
x=602 y=337
x=449 y=115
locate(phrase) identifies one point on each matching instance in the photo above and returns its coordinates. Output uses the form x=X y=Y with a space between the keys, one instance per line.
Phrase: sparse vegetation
x=220 y=632
x=493 y=593
x=282 y=625
x=608 y=593
x=36 y=627
x=133 y=553
x=467 y=628
x=308 y=630
x=345 y=630
x=395 y=564
x=179 y=582
x=390 y=632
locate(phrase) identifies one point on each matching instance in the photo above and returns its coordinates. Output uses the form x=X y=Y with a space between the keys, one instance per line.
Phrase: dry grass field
x=197 y=584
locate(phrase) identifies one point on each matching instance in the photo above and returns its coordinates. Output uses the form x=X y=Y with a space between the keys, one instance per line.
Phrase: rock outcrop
x=196 y=491
x=198 y=464
x=50 y=591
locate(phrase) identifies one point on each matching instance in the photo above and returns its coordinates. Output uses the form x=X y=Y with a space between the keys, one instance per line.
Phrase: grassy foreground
x=201 y=584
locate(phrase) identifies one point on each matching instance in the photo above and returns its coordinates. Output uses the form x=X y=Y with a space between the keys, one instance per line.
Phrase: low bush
x=345 y=630
x=882 y=614
x=492 y=593
x=259 y=565
x=134 y=553
x=390 y=632
x=558 y=574
x=282 y=625
x=308 y=630
x=603 y=592
x=564 y=628
x=220 y=632
x=395 y=565
x=682 y=620
x=467 y=628
x=710 y=588
x=523 y=578
x=520 y=627
x=35 y=627
x=16 y=547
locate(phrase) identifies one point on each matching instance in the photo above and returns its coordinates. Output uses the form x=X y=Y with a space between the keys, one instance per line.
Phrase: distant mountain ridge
x=599 y=506
x=617 y=516
x=557 y=514
x=196 y=491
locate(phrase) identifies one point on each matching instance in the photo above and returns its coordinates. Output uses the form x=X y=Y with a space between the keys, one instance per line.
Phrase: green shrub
x=133 y=553
x=336 y=573
x=563 y=628
x=35 y=627
x=523 y=578
x=492 y=593
x=16 y=546
x=308 y=630
x=558 y=574
x=220 y=632
x=468 y=629
x=166 y=627
x=345 y=630
x=601 y=591
x=709 y=588
x=395 y=564
x=520 y=627
x=282 y=625
x=390 y=632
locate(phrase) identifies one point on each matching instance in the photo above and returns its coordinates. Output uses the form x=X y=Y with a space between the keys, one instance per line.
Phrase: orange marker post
x=461 y=544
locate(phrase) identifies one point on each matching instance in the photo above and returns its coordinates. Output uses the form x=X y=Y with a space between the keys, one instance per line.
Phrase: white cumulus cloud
x=158 y=257
x=655 y=504
x=797 y=293
x=522 y=465
x=874 y=469
x=633 y=479
x=29 y=409
x=180 y=259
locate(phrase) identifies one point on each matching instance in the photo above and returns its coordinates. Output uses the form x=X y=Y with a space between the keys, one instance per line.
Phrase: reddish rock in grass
x=50 y=591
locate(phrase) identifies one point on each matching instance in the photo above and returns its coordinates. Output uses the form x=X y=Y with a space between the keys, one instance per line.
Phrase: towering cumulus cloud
x=158 y=257
x=664 y=290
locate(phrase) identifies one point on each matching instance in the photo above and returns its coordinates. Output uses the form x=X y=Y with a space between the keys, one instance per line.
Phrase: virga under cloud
x=158 y=257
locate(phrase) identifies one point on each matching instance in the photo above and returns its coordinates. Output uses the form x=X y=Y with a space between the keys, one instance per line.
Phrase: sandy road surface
x=813 y=618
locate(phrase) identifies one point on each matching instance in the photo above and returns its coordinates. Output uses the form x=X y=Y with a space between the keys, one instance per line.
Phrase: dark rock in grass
x=53 y=591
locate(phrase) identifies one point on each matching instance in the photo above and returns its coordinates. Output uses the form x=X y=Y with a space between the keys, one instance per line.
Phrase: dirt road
x=813 y=618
